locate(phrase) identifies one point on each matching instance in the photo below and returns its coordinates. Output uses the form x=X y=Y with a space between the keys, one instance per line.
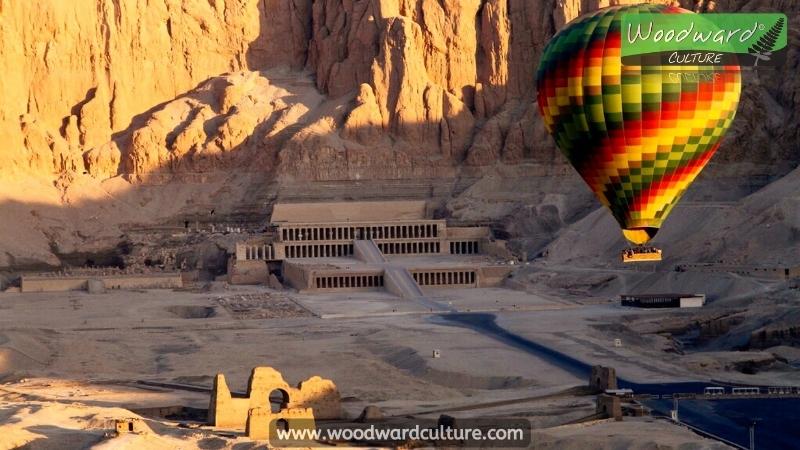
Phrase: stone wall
x=229 y=411
x=263 y=423
x=489 y=276
x=603 y=378
x=296 y=275
x=247 y=272
x=780 y=273
x=468 y=232
x=348 y=211
x=80 y=283
x=610 y=406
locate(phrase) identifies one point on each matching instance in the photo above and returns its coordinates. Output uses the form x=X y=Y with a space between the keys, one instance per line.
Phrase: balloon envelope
x=638 y=135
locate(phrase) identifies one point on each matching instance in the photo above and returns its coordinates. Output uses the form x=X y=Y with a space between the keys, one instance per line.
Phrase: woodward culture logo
x=481 y=433
x=747 y=40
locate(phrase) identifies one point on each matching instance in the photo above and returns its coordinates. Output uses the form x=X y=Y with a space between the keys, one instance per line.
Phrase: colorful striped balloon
x=638 y=135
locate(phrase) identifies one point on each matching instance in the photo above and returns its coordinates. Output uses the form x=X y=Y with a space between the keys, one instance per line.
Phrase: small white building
x=695 y=301
x=663 y=300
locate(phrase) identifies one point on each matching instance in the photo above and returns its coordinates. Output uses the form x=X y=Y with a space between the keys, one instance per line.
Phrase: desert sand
x=123 y=121
x=69 y=372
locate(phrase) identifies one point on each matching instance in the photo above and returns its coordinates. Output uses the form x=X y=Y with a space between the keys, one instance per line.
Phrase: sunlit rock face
x=405 y=88
x=101 y=98
x=76 y=73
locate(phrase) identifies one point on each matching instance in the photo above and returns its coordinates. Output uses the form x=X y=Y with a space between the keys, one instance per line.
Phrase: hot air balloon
x=638 y=135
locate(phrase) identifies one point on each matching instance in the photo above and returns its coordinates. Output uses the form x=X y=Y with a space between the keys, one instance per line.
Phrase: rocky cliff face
x=100 y=96
x=76 y=73
x=407 y=88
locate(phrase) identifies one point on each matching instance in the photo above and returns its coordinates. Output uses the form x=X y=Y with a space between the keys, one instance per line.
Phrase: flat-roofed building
x=316 y=246
x=663 y=300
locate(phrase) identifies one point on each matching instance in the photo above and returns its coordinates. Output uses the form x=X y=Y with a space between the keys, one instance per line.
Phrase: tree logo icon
x=762 y=50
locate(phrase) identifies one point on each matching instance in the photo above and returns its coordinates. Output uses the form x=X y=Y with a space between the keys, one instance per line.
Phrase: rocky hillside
x=412 y=86
x=102 y=98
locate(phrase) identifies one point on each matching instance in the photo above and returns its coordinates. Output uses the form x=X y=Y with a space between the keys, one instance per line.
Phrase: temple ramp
x=368 y=252
x=400 y=282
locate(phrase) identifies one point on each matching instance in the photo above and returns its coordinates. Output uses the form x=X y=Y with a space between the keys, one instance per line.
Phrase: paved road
x=777 y=418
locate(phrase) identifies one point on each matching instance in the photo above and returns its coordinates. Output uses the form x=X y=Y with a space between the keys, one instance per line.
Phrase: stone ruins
x=271 y=402
x=97 y=280
x=603 y=378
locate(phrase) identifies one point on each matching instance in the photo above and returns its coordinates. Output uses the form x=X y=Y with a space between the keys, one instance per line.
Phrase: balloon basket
x=641 y=254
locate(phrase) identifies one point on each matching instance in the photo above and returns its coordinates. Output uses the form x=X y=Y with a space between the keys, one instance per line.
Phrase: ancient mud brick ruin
x=99 y=280
x=603 y=378
x=609 y=406
x=263 y=423
x=268 y=393
x=130 y=425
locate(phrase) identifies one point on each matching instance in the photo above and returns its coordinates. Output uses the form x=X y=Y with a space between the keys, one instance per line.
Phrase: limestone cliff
x=104 y=99
x=76 y=73
x=412 y=88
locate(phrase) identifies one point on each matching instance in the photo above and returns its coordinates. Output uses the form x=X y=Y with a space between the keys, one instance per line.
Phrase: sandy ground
x=374 y=357
x=632 y=434
x=47 y=421
x=376 y=347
